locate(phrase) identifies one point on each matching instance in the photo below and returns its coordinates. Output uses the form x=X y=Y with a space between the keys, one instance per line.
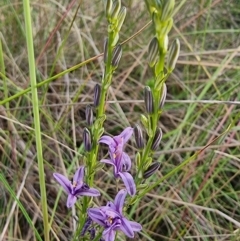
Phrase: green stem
x=32 y=70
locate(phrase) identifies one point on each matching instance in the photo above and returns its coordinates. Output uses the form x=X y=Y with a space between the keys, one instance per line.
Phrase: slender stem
x=32 y=70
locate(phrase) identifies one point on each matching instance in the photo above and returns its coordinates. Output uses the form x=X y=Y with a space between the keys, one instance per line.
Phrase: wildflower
x=120 y=159
x=112 y=219
x=76 y=188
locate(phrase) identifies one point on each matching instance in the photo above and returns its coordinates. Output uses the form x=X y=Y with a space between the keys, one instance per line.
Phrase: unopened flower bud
x=117 y=54
x=108 y=8
x=86 y=226
x=116 y=9
x=138 y=137
x=157 y=139
x=173 y=55
x=97 y=94
x=121 y=17
x=168 y=6
x=148 y=99
x=151 y=170
x=87 y=140
x=105 y=50
x=89 y=115
x=153 y=52
x=92 y=232
x=163 y=96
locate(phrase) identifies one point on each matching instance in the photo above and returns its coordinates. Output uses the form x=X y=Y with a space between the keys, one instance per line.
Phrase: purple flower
x=112 y=219
x=120 y=159
x=76 y=188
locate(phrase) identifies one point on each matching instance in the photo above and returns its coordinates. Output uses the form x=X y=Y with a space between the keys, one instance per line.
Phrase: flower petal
x=97 y=216
x=119 y=200
x=129 y=182
x=91 y=192
x=108 y=161
x=126 y=228
x=109 y=234
x=71 y=200
x=79 y=175
x=107 y=140
x=63 y=181
x=126 y=134
x=126 y=161
x=135 y=226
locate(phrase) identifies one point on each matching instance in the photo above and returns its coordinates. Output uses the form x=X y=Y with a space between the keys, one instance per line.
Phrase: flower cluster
x=112 y=219
x=119 y=159
x=110 y=216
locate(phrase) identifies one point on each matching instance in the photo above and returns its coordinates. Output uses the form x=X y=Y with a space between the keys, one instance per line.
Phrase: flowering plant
x=111 y=217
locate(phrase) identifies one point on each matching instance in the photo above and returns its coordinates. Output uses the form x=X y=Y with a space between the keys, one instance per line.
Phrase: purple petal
x=135 y=226
x=107 y=161
x=111 y=205
x=126 y=161
x=126 y=228
x=129 y=182
x=91 y=192
x=97 y=216
x=79 y=175
x=107 y=140
x=109 y=234
x=119 y=200
x=126 y=134
x=63 y=181
x=71 y=200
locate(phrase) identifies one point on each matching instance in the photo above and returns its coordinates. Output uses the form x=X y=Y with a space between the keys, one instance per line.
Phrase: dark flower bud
x=86 y=226
x=153 y=52
x=148 y=99
x=97 y=94
x=87 y=140
x=92 y=233
x=163 y=97
x=173 y=55
x=117 y=54
x=138 y=137
x=151 y=170
x=157 y=139
x=89 y=115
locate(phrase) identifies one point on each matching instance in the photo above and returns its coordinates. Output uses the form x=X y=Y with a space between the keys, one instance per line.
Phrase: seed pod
x=121 y=17
x=157 y=139
x=97 y=94
x=105 y=50
x=168 y=6
x=138 y=137
x=117 y=54
x=153 y=52
x=173 y=55
x=163 y=97
x=148 y=99
x=151 y=170
x=87 y=140
x=89 y=115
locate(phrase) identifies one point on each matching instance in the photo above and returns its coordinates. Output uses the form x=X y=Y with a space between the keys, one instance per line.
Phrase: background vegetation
x=201 y=201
